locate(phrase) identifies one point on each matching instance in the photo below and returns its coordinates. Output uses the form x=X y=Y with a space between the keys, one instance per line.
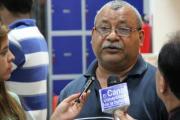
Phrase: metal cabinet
x=92 y=6
x=67 y=53
x=58 y=85
x=66 y=14
x=89 y=52
x=138 y=4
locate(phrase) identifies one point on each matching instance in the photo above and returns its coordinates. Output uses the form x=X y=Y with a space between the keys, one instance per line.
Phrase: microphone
x=112 y=80
x=86 y=87
x=115 y=96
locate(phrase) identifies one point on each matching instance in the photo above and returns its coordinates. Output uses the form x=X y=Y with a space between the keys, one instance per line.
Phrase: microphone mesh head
x=112 y=80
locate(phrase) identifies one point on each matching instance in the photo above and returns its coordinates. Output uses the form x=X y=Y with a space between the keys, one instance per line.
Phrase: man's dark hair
x=169 y=63
x=17 y=6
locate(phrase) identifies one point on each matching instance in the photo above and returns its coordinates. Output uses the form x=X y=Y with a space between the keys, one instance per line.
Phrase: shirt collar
x=138 y=68
x=26 y=22
x=92 y=69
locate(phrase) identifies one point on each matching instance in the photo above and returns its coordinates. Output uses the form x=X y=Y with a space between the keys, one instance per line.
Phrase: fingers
x=71 y=98
x=84 y=97
x=122 y=115
x=66 y=103
x=79 y=105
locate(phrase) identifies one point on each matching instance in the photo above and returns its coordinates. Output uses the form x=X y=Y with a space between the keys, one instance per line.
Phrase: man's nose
x=113 y=36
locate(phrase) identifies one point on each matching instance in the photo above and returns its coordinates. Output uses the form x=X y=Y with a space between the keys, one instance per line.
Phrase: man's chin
x=112 y=60
x=113 y=57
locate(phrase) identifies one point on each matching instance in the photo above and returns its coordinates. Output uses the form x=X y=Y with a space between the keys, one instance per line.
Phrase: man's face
x=6 y=58
x=113 y=47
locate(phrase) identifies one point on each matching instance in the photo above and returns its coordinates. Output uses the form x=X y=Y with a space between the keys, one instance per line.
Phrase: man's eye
x=123 y=29
x=105 y=28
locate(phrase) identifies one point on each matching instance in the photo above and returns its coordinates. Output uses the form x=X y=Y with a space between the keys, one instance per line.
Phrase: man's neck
x=10 y=18
x=103 y=74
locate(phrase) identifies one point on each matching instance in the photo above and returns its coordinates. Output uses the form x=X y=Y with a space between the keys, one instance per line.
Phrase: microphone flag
x=114 y=97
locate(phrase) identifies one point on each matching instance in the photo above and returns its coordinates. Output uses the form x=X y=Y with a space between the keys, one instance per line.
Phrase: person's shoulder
x=74 y=86
x=149 y=76
x=151 y=66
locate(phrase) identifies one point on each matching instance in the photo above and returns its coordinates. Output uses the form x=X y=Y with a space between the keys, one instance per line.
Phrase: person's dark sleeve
x=163 y=112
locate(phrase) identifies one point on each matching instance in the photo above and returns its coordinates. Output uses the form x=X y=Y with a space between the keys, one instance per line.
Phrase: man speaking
x=116 y=39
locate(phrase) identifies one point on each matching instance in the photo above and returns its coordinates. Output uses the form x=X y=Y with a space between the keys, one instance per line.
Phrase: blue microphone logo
x=114 y=97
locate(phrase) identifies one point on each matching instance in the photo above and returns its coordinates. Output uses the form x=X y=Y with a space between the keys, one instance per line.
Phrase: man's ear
x=92 y=32
x=141 y=37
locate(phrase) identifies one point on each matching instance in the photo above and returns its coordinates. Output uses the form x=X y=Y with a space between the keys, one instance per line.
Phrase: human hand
x=121 y=115
x=68 y=109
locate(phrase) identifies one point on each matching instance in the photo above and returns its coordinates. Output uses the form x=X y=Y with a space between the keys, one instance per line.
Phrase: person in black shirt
x=167 y=76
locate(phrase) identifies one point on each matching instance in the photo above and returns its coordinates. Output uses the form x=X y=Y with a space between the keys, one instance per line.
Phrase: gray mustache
x=112 y=45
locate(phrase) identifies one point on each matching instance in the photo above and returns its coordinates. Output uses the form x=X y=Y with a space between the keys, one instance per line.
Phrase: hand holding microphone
x=71 y=107
x=68 y=109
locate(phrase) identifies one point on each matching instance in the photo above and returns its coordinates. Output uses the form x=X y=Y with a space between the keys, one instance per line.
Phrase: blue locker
x=92 y=6
x=58 y=85
x=138 y=4
x=67 y=55
x=66 y=14
x=90 y=55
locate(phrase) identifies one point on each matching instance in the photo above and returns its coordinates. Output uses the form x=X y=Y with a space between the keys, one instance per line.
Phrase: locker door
x=90 y=55
x=66 y=14
x=138 y=4
x=92 y=6
x=67 y=55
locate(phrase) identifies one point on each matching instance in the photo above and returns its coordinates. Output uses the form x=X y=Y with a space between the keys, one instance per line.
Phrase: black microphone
x=115 y=96
x=112 y=80
x=86 y=87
